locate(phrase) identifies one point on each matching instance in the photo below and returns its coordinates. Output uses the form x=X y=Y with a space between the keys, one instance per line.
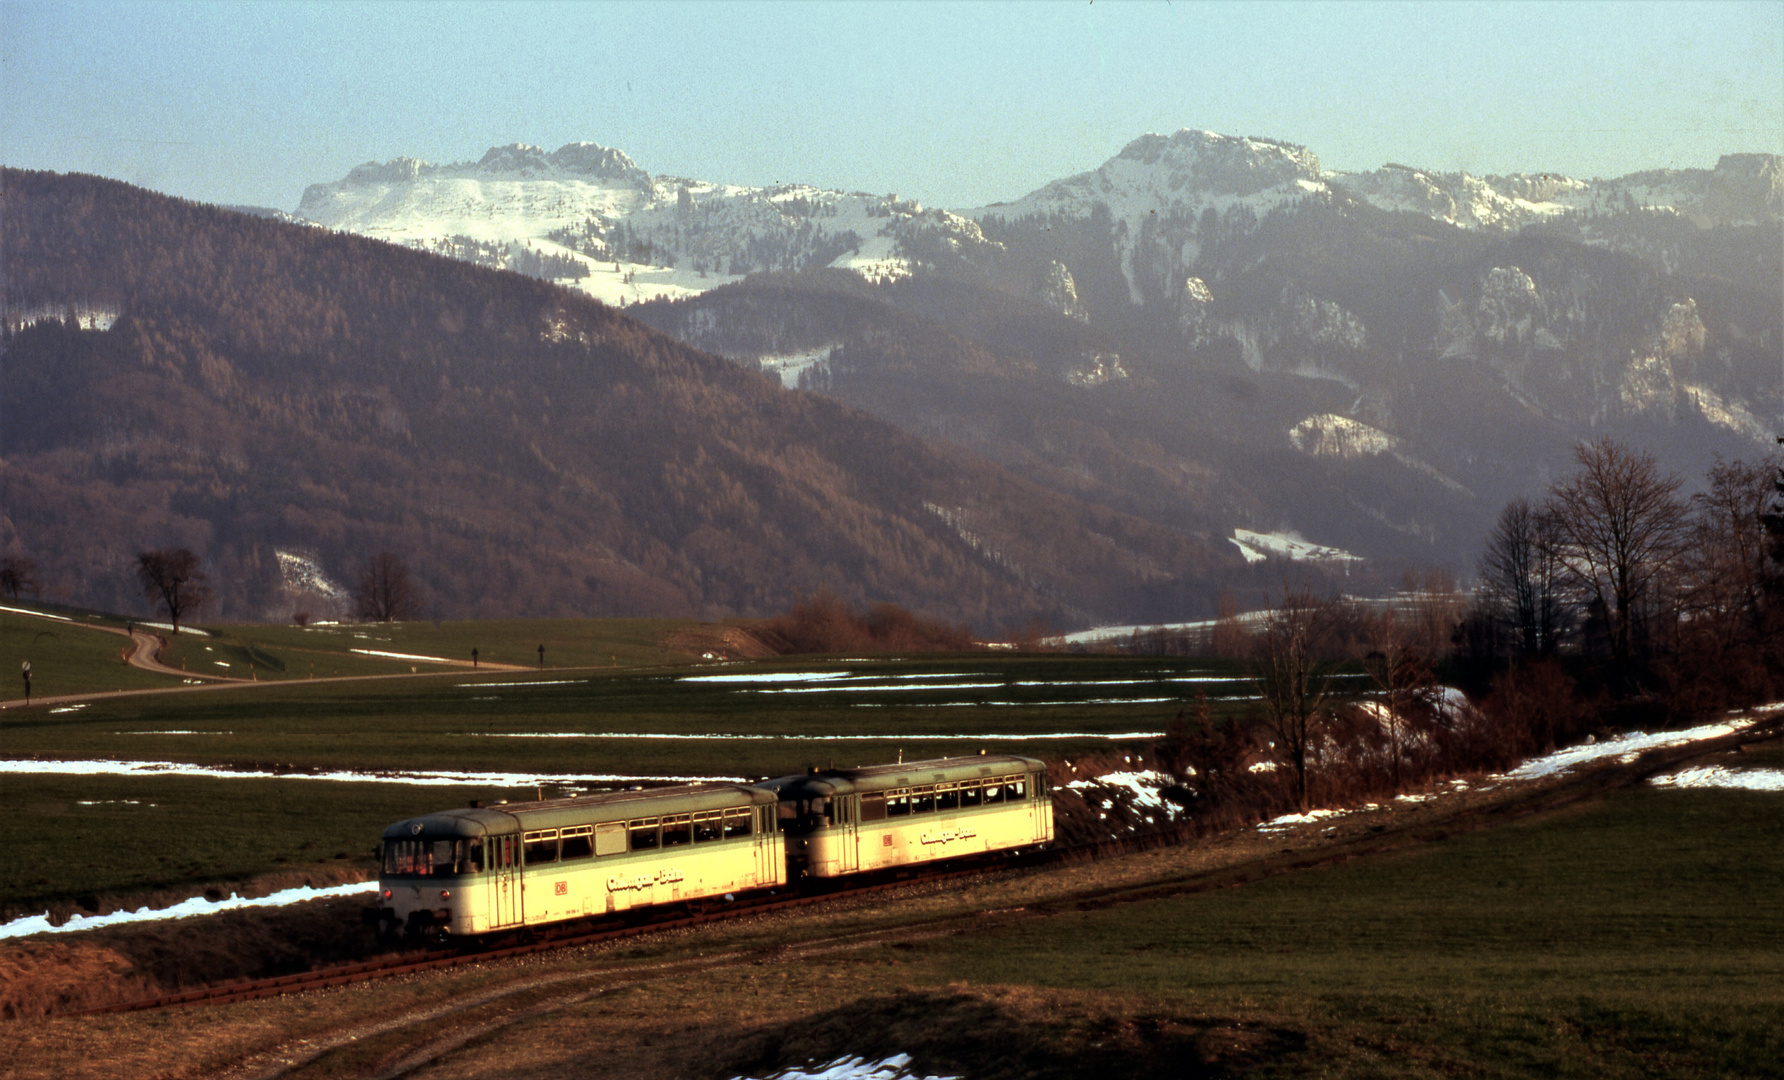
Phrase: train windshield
x=430 y=858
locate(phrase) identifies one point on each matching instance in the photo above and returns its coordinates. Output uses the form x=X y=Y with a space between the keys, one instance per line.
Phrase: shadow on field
x=1010 y=1033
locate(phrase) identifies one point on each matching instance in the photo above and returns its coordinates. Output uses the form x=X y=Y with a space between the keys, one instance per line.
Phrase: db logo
x=561 y=888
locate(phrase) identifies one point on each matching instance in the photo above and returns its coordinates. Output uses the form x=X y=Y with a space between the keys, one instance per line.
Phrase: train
x=480 y=870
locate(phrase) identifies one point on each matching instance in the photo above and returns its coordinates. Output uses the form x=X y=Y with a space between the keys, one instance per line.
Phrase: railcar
x=847 y=821
x=486 y=869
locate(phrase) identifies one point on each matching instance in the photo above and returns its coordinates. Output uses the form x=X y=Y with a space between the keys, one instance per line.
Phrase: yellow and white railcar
x=511 y=865
x=846 y=821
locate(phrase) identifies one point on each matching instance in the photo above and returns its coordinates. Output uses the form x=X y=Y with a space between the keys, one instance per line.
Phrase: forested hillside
x=176 y=374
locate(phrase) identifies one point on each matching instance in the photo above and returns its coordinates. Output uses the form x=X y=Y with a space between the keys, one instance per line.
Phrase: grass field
x=67 y=656
x=1641 y=937
x=567 y=729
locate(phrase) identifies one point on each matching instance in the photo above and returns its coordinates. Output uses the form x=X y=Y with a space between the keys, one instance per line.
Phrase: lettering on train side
x=666 y=876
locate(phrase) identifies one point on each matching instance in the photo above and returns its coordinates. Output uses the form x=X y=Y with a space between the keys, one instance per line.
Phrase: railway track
x=589 y=932
x=1581 y=787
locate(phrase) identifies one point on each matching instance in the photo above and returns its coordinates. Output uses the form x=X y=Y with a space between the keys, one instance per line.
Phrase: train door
x=505 y=904
x=845 y=817
x=769 y=869
x=1040 y=808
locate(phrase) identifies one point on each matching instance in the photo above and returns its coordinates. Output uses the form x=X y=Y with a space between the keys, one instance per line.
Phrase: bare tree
x=17 y=574
x=1405 y=687
x=1726 y=560
x=1521 y=578
x=385 y=592
x=1230 y=639
x=1291 y=678
x=172 y=576
x=1622 y=528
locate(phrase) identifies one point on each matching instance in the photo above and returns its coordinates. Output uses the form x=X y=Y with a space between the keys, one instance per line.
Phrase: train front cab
x=482 y=870
x=845 y=821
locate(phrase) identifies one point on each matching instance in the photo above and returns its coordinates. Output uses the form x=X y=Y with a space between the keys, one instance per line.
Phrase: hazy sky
x=954 y=104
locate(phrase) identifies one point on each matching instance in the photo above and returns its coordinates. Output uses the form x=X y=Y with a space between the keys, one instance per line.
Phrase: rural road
x=145 y=647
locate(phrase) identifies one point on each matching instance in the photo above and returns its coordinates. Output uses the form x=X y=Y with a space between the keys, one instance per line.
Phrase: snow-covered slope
x=587 y=216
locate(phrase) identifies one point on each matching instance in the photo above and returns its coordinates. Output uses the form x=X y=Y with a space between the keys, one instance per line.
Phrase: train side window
x=1015 y=788
x=579 y=842
x=873 y=808
x=470 y=856
x=947 y=797
x=922 y=800
x=542 y=847
x=709 y=825
x=644 y=834
x=994 y=791
x=610 y=838
x=969 y=794
x=898 y=803
x=677 y=830
x=737 y=822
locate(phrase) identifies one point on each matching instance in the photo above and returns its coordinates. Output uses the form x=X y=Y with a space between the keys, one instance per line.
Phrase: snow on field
x=405 y=656
x=522 y=684
x=36 y=614
x=1287 y=821
x=768 y=676
x=1626 y=748
x=440 y=778
x=1715 y=776
x=197 y=905
x=896 y=1067
x=888 y=737
x=857 y=688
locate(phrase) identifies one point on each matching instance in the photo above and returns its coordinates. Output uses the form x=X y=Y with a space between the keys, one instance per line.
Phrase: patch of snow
x=1620 y=746
x=1716 y=776
x=888 y=737
x=404 y=656
x=1331 y=435
x=856 y=688
x=768 y=676
x=1288 y=821
x=34 y=614
x=1257 y=546
x=522 y=684
x=185 y=909
x=440 y=778
x=896 y=1067
x=300 y=573
x=1142 y=787
x=790 y=366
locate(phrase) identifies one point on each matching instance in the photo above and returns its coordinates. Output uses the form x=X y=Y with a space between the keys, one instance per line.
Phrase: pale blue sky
x=954 y=104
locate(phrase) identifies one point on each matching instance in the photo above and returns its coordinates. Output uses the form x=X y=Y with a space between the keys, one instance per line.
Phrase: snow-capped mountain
x=1428 y=342
x=587 y=216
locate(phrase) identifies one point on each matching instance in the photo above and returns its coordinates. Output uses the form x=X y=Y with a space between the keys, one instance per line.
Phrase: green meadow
x=634 y=711
x=1641 y=936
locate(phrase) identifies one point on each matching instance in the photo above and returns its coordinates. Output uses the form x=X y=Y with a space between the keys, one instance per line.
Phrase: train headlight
x=445 y=894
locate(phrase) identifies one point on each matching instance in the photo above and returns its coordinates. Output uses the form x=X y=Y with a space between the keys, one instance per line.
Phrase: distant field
x=553 y=731
x=293 y=652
